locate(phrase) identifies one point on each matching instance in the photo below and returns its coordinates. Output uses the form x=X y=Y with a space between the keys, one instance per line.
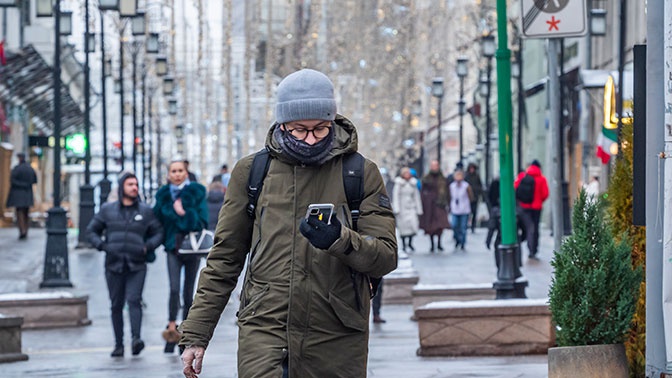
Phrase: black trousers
x=175 y=264
x=474 y=217
x=22 y=220
x=377 y=301
x=124 y=288
x=532 y=234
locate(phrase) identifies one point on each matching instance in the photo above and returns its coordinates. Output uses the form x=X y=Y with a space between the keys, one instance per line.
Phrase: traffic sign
x=553 y=18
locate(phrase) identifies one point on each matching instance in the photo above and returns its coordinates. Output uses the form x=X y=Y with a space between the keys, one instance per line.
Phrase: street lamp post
x=517 y=73
x=488 y=51
x=510 y=281
x=103 y=5
x=137 y=29
x=127 y=8
x=152 y=46
x=462 y=71
x=86 y=201
x=56 y=269
x=437 y=91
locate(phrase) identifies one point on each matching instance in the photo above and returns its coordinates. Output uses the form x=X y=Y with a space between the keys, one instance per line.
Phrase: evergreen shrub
x=594 y=289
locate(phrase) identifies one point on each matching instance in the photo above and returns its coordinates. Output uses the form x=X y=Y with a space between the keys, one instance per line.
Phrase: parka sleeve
x=224 y=263
x=372 y=249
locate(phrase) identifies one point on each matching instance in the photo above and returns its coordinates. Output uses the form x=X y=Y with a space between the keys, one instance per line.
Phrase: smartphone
x=320 y=211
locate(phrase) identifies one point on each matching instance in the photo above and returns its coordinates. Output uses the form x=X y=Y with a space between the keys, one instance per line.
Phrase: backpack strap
x=353 y=182
x=255 y=180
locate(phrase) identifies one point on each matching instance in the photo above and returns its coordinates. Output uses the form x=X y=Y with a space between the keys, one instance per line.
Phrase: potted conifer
x=592 y=297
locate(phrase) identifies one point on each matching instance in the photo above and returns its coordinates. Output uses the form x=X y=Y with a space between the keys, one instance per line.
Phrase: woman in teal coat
x=181 y=207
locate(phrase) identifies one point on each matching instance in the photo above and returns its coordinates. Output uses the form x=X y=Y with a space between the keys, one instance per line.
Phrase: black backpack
x=353 y=183
x=525 y=189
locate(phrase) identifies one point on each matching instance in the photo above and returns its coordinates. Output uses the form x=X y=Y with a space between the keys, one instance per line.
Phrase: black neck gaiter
x=301 y=151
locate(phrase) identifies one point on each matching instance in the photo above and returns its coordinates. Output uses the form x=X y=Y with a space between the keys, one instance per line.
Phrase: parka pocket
x=350 y=317
x=250 y=301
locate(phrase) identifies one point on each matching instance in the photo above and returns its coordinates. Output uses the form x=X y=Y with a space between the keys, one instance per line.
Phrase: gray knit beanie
x=305 y=94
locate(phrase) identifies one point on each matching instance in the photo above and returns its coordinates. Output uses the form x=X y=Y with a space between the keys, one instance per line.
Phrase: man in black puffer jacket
x=132 y=232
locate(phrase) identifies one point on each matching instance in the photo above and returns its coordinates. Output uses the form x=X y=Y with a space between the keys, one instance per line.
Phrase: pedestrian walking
x=181 y=207
x=407 y=207
x=460 y=198
x=531 y=192
x=190 y=175
x=215 y=201
x=450 y=178
x=495 y=222
x=473 y=178
x=377 y=303
x=305 y=301
x=128 y=232
x=223 y=176
x=20 y=195
x=434 y=195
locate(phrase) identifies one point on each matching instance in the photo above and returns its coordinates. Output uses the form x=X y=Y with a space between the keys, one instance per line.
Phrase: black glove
x=320 y=234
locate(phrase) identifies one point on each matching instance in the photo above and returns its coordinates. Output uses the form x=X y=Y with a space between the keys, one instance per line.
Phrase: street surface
x=85 y=351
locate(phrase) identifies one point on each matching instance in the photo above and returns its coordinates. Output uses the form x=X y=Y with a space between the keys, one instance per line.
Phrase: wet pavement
x=84 y=351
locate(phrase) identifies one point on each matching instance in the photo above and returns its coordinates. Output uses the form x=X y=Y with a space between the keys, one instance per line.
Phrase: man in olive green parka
x=304 y=308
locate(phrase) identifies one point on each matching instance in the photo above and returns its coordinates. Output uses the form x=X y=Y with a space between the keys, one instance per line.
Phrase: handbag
x=197 y=243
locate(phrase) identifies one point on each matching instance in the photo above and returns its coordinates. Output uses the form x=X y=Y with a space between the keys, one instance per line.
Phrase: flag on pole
x=606 y=144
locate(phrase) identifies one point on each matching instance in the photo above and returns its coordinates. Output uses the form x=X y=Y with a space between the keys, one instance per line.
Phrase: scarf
x=301 y=151
x=176 y=189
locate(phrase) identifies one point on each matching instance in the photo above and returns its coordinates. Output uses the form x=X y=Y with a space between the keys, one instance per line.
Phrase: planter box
x=588 y=361
x=10 y=339
x=424 y=294
x=485 y=328
x=398 y=285
x=46 y=310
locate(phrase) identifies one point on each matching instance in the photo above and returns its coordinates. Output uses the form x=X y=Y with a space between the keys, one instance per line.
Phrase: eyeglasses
x=319 y=132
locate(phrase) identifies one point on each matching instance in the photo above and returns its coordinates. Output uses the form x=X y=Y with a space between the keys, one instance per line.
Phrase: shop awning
x=27 y=80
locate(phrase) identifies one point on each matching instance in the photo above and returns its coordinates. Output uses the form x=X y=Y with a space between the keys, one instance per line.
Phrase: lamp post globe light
x=104 y=5
x=598 y=22
x=152 y=45
x=462 y=71
x=138 y=23
x=56 y=271
x=168 y=85
x=127 y=8
x=437 y=91
x=161 y=67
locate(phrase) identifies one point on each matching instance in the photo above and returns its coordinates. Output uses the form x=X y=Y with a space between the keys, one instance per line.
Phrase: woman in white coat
x=407 y=207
